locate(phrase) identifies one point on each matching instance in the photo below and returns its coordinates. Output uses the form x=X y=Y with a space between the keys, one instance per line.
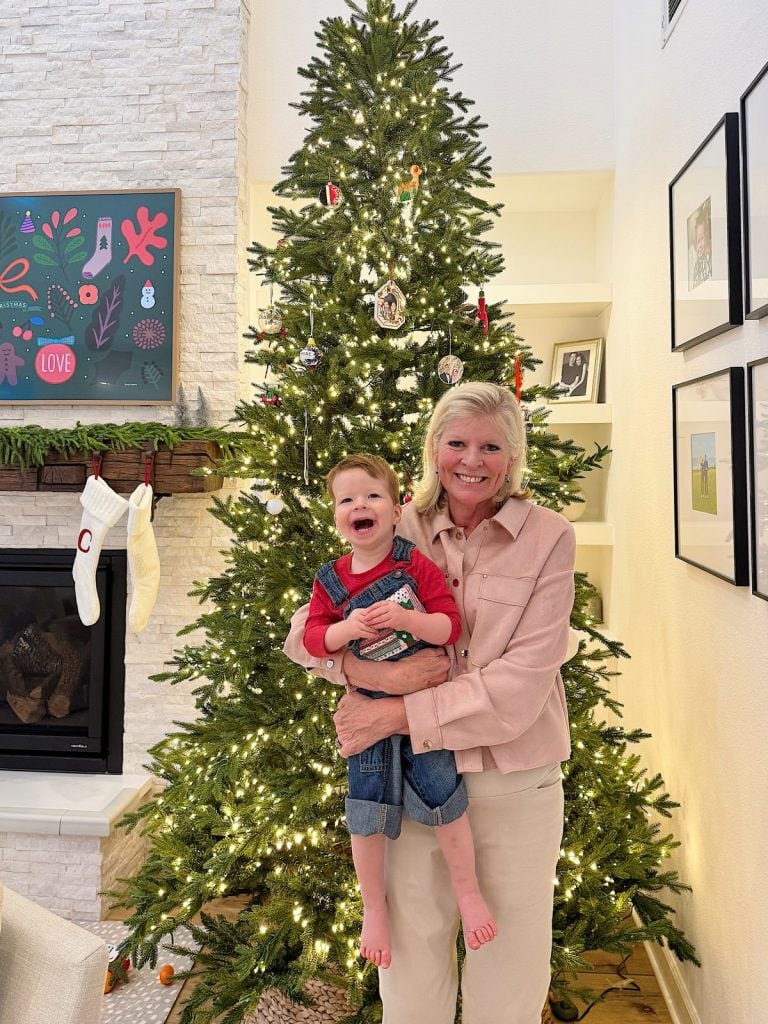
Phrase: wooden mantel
x=171 y=470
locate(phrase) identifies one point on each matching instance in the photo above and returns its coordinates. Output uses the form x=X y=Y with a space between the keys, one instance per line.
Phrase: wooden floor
x=628 y=1006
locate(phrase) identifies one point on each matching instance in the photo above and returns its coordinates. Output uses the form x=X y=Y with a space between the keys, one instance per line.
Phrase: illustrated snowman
x=147 y=295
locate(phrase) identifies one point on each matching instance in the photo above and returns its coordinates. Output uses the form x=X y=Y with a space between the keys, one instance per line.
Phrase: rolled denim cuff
x=367 y=818
x=451 y=810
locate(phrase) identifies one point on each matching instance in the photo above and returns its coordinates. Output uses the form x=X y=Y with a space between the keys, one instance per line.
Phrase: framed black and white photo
x=757 y=406
x=576 y=368
x=754 y=169
x=711 y=474
x=705 y=239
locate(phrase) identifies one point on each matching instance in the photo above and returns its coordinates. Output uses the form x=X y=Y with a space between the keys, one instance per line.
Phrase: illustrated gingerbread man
x=9 y=361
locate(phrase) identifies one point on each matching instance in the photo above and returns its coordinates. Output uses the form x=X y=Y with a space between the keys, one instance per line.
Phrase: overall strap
x=402 y=550
x=329 y=580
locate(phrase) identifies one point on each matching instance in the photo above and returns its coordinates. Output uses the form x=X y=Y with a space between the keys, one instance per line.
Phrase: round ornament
x=269 y=319
x=389 y=306
x=330 y=195
x=275 y=506
x=450 y=369
x=311 y=356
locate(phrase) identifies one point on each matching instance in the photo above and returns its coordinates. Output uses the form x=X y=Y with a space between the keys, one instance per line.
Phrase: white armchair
x=51 y=971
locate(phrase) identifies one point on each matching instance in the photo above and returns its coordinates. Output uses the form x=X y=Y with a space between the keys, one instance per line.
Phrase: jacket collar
x=511 y=516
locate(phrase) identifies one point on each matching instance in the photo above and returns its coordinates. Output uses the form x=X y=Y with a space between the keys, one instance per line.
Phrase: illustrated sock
x=143 y=561
x=102 y=254
x=102 y=508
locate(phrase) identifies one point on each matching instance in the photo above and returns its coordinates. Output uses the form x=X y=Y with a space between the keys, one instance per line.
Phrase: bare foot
x=476 y=920
x=375 y=944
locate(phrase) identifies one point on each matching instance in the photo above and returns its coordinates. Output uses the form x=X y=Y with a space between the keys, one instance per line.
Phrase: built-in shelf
x=552 y=300
x=594 y=534
x=580 y=412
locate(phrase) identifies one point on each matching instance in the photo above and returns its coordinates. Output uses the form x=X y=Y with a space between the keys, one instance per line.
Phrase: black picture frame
x=705 y=239
x=710 y=474
x=757 y=413
x=753 y=108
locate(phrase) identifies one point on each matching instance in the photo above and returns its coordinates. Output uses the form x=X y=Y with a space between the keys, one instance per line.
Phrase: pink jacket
x=513 y=582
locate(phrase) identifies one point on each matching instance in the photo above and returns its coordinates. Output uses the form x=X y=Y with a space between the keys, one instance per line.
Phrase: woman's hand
x=360 y=722
x=422 y=670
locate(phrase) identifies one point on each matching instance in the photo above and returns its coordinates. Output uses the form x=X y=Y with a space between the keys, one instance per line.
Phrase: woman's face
x=578 y=360
x=472 y=459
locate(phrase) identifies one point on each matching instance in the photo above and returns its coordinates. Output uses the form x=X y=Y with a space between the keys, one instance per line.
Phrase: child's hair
x=373 y=465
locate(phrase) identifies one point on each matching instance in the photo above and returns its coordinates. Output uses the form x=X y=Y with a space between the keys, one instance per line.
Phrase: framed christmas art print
x=710 y=479
x=88 y=297
x=705 y=239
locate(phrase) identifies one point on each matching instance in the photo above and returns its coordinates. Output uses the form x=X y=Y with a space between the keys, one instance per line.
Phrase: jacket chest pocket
x=501 y=602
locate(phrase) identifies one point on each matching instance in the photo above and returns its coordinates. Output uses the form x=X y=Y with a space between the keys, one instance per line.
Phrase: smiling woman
x=509 y=566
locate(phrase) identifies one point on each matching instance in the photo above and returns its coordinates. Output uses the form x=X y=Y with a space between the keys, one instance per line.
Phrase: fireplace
x=61 y=683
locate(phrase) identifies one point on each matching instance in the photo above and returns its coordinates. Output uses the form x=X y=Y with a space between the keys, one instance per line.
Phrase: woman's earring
x=506 y=479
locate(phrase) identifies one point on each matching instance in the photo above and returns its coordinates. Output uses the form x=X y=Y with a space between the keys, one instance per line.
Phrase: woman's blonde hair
x=474 y=398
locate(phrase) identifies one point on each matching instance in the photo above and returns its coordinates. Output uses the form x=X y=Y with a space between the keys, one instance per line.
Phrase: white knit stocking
x=143 y=561
x=102 y=508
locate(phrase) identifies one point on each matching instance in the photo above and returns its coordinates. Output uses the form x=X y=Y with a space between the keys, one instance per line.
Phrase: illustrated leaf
x=71 y=212
x=151 y=374
x=139 y=241
x=43 y=260
x=58 y=304
x=74 y=243
x=72 y=232
x=103 y=326
x=42 y=243
x=47 y=230
x=55 y=217
x=77 y=257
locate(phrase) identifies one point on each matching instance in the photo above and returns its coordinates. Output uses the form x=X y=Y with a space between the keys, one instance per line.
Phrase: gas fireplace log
x=29 y=709
x=65 y=637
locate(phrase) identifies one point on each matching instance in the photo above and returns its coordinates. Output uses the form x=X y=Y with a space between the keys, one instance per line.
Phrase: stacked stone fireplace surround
x=116 y=95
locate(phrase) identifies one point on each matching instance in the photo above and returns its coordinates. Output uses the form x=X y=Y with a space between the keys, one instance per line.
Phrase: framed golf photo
x=576 y=368
x=711 y=474
x=705 y=239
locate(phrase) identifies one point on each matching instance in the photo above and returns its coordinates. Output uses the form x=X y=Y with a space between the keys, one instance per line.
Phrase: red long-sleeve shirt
x=431 y=588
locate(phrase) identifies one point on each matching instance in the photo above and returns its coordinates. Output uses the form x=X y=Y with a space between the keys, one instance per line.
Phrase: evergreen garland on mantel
x=28 y=446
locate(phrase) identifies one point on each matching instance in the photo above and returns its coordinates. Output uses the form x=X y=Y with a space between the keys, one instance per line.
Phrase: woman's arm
x=498 y=702
x=360 y=722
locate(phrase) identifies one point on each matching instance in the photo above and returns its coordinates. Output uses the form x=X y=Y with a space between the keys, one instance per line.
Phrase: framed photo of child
x=576 y=368
x=705 y=239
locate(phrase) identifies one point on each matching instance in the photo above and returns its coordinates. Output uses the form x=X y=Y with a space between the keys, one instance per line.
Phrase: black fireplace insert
x=62 y=684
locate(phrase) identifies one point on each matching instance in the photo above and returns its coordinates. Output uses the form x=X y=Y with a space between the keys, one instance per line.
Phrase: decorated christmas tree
x=377 y=274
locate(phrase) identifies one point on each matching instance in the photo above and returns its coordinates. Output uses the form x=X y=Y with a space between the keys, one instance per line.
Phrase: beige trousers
x=517 y=824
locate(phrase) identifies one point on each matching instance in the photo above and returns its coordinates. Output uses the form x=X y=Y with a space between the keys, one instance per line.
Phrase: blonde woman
x=509 y=564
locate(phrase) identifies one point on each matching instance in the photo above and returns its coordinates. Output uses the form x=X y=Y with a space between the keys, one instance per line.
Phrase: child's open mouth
x=363 y=526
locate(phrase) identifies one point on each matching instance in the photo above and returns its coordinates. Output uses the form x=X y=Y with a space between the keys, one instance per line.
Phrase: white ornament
x=389 y=307
x=275 y=506
x=269 y=319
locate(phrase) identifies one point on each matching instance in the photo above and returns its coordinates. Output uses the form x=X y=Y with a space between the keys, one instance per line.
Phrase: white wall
x=698 y=678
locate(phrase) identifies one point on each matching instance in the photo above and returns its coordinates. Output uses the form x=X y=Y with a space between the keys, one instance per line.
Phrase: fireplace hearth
x=61 y=683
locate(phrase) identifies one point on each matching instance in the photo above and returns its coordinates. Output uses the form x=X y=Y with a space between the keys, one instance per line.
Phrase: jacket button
x=465 y=653
x=427 y=745
x=397 y=574
x=455 y=583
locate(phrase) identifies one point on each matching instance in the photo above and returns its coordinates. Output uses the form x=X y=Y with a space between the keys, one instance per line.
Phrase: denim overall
x=388 y=776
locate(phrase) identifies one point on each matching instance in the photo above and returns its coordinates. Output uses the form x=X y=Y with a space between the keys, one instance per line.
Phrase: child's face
x=363 y=509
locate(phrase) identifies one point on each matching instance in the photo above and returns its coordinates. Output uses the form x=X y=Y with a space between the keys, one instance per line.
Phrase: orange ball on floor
x=165 y=974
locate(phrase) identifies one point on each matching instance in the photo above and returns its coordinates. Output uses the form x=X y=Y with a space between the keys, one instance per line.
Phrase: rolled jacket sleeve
x=329 y=668
x=497 y=702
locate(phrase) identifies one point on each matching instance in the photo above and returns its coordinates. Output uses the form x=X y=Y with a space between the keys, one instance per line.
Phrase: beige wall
x=698 y=678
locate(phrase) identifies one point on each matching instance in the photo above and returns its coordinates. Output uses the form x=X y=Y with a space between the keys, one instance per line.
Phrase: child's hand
x=358 y=626
x=388 y=615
